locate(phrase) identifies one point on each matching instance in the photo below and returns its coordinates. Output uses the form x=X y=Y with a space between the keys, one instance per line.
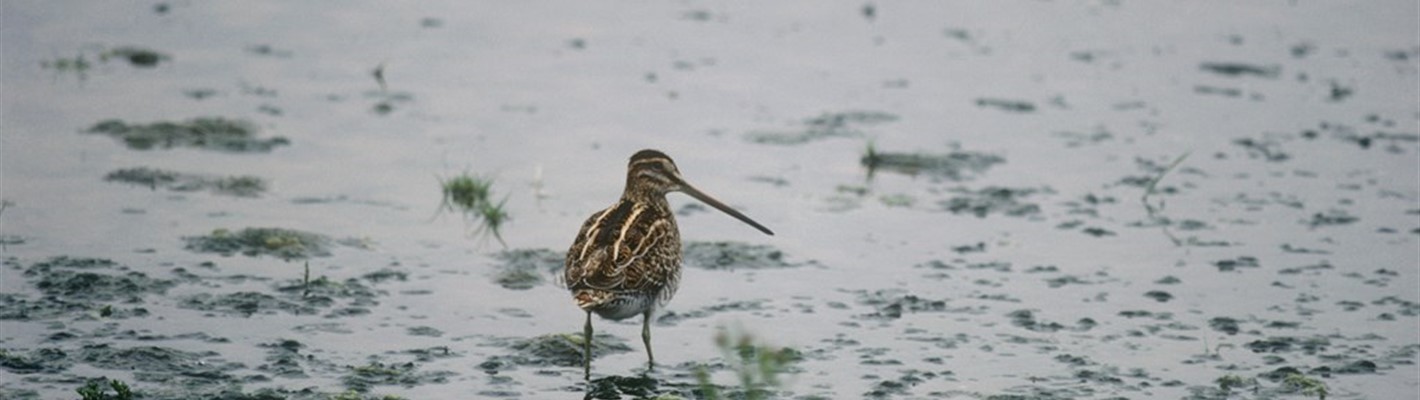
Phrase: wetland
x=1035 y=200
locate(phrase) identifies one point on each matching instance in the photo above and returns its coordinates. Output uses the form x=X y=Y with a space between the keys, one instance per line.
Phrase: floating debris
x=137 y=56
x=1015 y=106
x=239 y=186
x=217 y=134
x=956 y=165
x=284 y=243
x=1233 y=69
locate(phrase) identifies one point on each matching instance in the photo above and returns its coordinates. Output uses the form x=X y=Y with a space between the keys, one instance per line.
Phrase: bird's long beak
x=705 y=198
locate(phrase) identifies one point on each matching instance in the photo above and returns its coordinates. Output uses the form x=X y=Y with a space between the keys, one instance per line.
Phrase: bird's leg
x=587 y=348
x=646 y=338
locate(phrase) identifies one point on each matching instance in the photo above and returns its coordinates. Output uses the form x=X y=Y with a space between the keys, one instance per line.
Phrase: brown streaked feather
x=629 y=247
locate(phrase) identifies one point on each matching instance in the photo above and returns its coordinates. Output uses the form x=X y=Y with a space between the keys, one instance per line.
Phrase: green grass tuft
x=92 y=390
x=757 y=366
x=472 y=196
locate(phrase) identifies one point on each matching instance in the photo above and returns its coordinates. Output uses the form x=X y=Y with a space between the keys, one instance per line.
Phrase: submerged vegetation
x=472 y=196
x=284 y=243
x=956 y=165
x=80 y=64
x=239 y=186
x=207 y=133
x=1307 y=385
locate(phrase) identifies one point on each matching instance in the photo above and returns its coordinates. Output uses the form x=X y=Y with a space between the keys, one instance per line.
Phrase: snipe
x=626 y=259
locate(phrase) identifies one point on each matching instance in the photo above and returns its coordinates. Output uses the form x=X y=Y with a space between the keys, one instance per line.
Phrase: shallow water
x=1286 y=237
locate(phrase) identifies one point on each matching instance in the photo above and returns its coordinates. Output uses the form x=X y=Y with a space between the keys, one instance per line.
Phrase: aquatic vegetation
x=80 y=64
x=93 y=391
x=1307 y=385
x=472 y=197
x=1226 y=383
x=77 y=65
x=239 y=186
x=207 y=133
x=756 y=366
x=280 y=242
x=615 y=386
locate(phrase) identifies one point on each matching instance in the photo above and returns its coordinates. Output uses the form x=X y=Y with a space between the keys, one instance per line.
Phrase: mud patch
x=362 y=378
x=955 y=166
x=73 y=279
x=344 y=299
x=735 y=255
x=524 y=269
x=207 y=133
x=672 y=317
x=244 y=304
x=993 y=200
x=239 y=186
x=158 y=364
x=1015 y=106
x=890 y=305
x=615 y=386
x=557 y=349
x=82 y=288
x=828 y=125
x=48 y=360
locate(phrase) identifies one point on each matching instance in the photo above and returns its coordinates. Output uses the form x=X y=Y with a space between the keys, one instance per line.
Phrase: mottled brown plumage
x=625 y=260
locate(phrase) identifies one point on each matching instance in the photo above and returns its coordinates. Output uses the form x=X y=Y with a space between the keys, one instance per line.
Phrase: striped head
x=651 y=173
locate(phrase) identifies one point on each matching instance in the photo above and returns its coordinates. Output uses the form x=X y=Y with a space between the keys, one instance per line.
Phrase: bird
x=626 y=259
